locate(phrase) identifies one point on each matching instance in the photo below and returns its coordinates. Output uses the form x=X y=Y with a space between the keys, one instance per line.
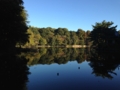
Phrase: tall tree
x=103 y=33
x=13 y=23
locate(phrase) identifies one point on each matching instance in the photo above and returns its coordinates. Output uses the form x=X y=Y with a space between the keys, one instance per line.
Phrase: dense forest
x=57 y=37
x=102 y=35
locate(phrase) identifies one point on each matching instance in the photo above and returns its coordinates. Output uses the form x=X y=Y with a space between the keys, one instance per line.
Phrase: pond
x=60 y=69
x=70 y=76
x=73 y=74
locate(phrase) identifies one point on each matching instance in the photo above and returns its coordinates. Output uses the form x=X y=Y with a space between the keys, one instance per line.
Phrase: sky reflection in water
x=69 y=76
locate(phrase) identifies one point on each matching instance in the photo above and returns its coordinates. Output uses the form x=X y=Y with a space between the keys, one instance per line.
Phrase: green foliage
x=73 y=38
x=31 y=37
x=102 y=34
x=81 y=34
x=59 y=31
x=60 y=36
x=53 y=41
x=42 y=41
x=34 y=29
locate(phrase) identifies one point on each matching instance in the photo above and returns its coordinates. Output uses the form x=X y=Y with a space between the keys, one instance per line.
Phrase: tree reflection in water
x=104 y=63
x=56 y=55
x=13 y=72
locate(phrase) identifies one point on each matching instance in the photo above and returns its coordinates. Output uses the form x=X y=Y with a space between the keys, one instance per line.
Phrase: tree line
x=57 y=37
x=104 y=34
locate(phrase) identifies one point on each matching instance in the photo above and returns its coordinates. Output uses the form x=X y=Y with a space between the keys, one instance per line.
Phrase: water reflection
x=56 y=55
x=104 y=63
x=13 y=72
x=70 y=69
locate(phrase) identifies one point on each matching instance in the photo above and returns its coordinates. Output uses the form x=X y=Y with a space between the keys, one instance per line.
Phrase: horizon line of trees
x=102 y=32
x=57 y=37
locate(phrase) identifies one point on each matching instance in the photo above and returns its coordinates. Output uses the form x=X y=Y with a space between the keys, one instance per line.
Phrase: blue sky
x=72 y=14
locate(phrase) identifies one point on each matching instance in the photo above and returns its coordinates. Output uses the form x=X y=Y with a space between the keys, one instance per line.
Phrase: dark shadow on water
x=57 y=74
x=104 y=63
x=13 y=72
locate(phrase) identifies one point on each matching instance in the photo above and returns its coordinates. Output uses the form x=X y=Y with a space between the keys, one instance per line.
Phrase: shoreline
x=67 y=46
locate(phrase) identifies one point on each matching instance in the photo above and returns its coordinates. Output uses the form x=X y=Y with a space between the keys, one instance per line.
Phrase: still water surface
x=60 y=69
x=70 y=76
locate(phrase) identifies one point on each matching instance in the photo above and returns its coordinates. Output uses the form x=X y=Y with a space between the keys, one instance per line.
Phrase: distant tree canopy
x=102 y=35
x=56 y=37
x=13 y=23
